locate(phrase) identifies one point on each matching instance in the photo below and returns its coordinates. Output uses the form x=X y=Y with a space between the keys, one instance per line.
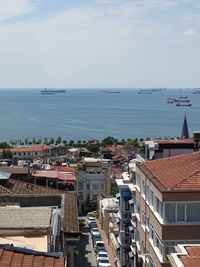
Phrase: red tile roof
x=178 y=173
x=64 y=169
x=36 y=148
x=51 y=174
x=19 y=259
x=174 y=141
x=193 y=257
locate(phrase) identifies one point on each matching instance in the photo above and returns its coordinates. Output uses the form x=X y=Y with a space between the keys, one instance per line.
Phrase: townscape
x=130 y=204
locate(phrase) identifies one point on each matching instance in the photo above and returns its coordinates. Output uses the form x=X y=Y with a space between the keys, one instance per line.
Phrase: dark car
x=100 y=249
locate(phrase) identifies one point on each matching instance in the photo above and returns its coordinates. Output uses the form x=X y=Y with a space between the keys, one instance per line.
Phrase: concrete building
x=162 y=148
x=167 y=207
x=125 y=239
x=36 y=228
x=93 y=180
x=31 y=195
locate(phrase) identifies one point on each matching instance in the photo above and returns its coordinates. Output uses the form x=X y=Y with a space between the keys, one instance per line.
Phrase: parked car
x=98 y=244
x=89 y=214
x=95 y=239
x=102 y=255
x=95 y=229
x=82 y=222
x=93 y=225
x=90 y=219
x=95 y=233
x=103 y=263
x=98 y=249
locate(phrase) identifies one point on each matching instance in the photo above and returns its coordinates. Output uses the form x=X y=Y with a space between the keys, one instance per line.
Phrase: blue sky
x=99 y=43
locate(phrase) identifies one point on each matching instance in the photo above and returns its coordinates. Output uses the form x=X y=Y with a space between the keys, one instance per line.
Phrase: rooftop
x=54 y=174
x=17 y=217
x=69 y=205
x=15 y=257
x=178 y=173
x=36 y=148
x=187 y=256
x=173 y=141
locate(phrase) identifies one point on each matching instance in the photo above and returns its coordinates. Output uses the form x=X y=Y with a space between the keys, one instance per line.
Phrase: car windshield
x=103 y=256
x=104 y=261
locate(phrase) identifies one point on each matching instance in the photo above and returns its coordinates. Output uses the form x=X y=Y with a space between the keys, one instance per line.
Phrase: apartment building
x=162 y=148
x=125 y=238
x=167 y=207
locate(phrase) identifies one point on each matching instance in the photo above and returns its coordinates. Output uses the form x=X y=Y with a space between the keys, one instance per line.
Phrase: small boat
x=183 y=105
x=183 y=97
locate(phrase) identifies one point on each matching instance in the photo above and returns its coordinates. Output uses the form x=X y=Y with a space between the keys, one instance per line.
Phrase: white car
x=104 y=263
x=102 y=255
x=95 y=233
x=90 y=219
x=94 y=230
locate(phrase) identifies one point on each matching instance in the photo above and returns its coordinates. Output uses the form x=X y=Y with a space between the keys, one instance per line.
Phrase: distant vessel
x=183 y=105
x=196 y=92
x=109 y=91
x=46 y=91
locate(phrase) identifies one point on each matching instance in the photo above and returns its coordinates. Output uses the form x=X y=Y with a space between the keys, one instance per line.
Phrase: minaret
x=185 y=132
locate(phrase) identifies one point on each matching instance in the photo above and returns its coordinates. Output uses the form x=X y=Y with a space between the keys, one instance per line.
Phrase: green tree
x=71 y=142
x=93 y=147
x=7 y=154
x=65 y=142
x=34 y=141
x=25 y=141
x=51 y=141
x=46 y=141
x=4 y=145
x=109 y=140
x=58 y=140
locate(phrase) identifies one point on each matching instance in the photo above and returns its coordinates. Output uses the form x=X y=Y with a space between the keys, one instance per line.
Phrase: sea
x=84 y=114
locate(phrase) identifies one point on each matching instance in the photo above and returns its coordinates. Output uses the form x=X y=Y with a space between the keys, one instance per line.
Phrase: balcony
x=126 y=215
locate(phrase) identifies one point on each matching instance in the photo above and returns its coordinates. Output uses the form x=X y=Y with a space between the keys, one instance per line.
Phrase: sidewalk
x=111 y=256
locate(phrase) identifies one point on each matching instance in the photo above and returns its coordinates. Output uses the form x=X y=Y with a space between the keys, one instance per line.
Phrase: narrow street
x=86 y=256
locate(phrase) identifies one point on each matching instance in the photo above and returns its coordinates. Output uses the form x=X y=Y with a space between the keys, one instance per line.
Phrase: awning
x=114 y=241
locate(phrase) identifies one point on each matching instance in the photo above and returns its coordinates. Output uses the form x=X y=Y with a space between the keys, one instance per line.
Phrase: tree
x=4 y=145
x=7 y=154
x=59 y=140
x=51 y=141
x=109 y=140
x=65 y=142
x=71 y=142
x=25 y=141
x=34 y=141
x=93 y=147
x=46 y=141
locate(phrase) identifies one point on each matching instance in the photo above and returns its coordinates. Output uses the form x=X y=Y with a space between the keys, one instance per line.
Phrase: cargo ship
x=46 y=91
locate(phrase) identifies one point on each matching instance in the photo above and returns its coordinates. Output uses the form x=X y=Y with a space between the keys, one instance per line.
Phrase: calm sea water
x=85 y=114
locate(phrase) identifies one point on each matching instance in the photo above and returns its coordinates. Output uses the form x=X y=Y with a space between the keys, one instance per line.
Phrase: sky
x=99 y=43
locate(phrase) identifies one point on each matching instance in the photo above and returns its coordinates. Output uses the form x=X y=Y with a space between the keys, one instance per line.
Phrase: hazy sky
x=99 y=43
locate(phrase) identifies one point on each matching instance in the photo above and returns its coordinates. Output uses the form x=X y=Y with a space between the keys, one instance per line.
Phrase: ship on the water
x=183 y=105
x=46 y=91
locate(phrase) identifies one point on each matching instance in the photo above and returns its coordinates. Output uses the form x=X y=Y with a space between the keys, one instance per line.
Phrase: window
x=88 y=186
x=150 y=197
x=138 y=181
x=170 y=212
x=126 y=205
x=147 y=224
x=80 y=195
x=193 y=212
x=80 y=185
x=143 y=219
x=102 y=186
x=168 y=249
x=95 y=187
x=180 y=212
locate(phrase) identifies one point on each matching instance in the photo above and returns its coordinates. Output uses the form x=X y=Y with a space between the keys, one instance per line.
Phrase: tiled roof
x=64 y=169
x=193 y=257
x=174 y=141
x=19 y=259
x=178 y=173
x=54 y=174
x=70 y=208
x=36 y=148
x=4 y=191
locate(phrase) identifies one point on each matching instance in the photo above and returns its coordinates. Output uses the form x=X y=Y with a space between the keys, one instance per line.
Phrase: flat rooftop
x=17 y=217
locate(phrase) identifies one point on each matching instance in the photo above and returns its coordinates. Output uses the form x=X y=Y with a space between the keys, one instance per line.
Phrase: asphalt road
x=86 y=256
